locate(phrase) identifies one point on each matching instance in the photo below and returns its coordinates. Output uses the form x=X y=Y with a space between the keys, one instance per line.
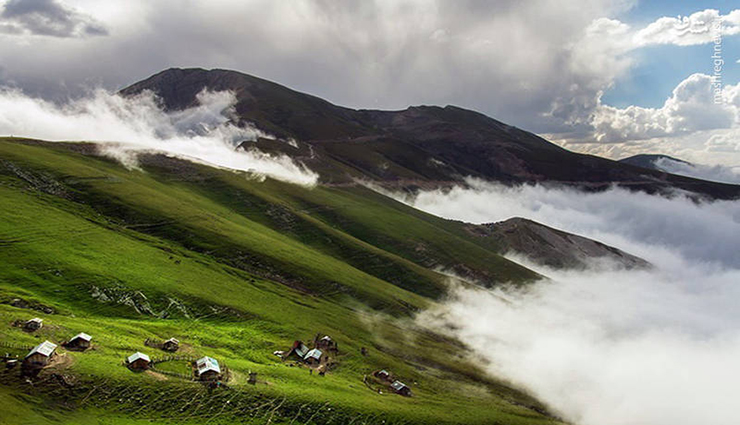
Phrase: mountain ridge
x=420 y=146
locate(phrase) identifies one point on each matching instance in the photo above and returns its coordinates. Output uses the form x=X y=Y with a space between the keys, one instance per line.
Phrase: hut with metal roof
x=298 y=350
x=33 y=324
x=138 y=361
x=326 y=343
x=208 y=369
x=382 y=374
x=314 y=357
x=399 y=387
x=81 y=342
x=39 y=356
x=171 y=345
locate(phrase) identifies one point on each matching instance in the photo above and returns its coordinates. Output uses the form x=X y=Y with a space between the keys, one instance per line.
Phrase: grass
x=235 y=268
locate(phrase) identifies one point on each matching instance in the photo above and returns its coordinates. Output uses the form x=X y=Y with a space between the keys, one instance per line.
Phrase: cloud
x=605 y=347
x=125 y=127
x=47 y=17
x=717 y=173
x=691 y=107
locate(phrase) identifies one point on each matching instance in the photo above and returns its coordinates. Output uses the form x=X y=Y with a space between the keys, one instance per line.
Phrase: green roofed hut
x=138 y=361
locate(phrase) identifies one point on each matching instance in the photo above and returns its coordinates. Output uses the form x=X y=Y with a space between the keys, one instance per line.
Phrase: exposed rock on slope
x=552 y=247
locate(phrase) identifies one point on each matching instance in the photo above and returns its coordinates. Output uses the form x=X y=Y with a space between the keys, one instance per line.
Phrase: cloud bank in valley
x=606 y=347
x=717 y=173
x=124 y=127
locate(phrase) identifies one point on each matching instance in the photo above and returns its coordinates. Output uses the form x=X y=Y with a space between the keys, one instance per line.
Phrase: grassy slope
x=255 y=265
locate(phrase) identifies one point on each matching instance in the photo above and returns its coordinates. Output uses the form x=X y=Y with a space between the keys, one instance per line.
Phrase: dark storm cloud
x=47 y=17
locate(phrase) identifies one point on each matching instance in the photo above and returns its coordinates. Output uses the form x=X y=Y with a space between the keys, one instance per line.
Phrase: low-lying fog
x=127 y=126
x=604 y=347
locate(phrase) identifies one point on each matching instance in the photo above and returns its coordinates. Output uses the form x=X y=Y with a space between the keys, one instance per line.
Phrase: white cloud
x=654 y=347
x=717 y=173
x=126 y=126
x=690 y=108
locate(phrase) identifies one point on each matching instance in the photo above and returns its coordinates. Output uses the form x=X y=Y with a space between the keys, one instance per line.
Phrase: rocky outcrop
x=552 y=247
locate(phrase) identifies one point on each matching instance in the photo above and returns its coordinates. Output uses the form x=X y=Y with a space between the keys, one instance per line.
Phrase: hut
x=314 y=357
x=138 y=361
x=326 y=344
x=33 y=324
x=400 y=388
x=171 y=345
x=81 y=341
x=39 y=356
x=382 y=374
x=298 y=350
x=208 y=369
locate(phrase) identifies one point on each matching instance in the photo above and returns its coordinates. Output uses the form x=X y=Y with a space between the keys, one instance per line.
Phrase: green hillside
x=235 y=268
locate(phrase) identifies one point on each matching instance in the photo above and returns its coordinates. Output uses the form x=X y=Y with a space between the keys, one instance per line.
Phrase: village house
x=171 y=345
x=382 y=374
x=208 y=369
x=314 y=357
x=33 y=324
x=400 y=388
x=81 y=342
x=326 y=344
x=138 y=361
x=298 y=350
x=39 y=356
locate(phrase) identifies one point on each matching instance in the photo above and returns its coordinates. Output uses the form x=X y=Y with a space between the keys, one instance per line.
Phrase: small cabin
x=399 y=387
x=171 y=345
x=298 y=350
x=382 y=374
x=208 y=369
x=39 y=356
x=138 y=361
x=326 y=344
x=81 y=341
x=33 y=324
x=314 y=357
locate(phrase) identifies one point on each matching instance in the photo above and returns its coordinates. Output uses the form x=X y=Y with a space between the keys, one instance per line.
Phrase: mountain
x=552 y=247
x=648 y=161
x=421 y=146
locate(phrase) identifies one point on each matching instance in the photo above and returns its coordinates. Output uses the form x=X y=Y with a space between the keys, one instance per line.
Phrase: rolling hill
x=236 y=268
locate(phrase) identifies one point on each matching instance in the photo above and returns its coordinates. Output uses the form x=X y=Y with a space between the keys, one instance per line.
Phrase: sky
x=612 y=78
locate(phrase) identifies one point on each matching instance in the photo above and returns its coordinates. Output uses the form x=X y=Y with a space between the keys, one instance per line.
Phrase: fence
x=5 y=344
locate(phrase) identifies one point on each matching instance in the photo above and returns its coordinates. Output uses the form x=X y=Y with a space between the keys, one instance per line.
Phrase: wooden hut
x=138 y=361
x=399 y=387
x=314 y=357
x=33 y=324
x=326 y=343
x=382 y=374
x=298 y=351
x=171 y=345
x=208 y=369
x=39 y=356
x=81 y=342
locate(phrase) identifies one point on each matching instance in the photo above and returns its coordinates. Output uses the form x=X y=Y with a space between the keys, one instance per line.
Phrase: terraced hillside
x=235 y=268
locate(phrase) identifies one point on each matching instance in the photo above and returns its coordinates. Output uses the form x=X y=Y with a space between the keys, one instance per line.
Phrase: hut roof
x=175 y=340
x=138 y=356
x=83 y=336
x=46 y=349
x=206 y=364
x=35 y=320
x=315 y=353
x=398 y=385
x=301 y=350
